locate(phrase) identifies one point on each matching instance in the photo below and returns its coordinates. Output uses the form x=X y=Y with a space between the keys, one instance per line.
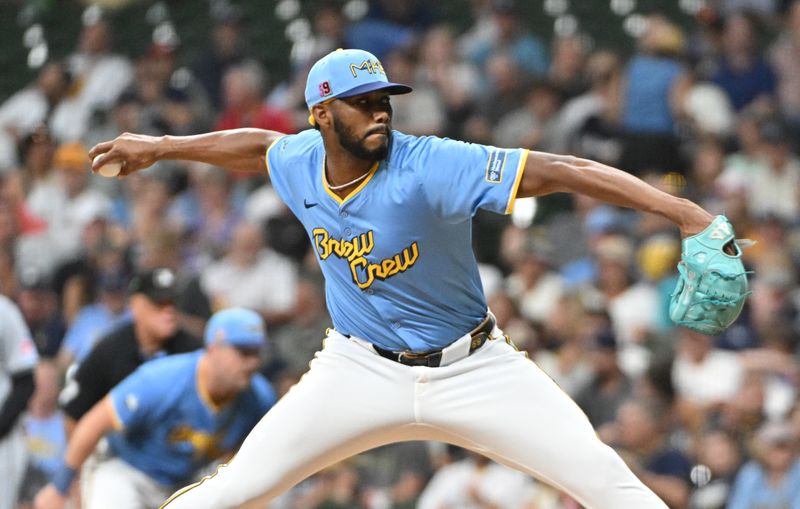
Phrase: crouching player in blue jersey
x=414 y=353
x=170 y=418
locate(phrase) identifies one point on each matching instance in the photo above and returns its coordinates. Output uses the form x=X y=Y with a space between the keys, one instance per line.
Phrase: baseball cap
x=345 y=73
x=239 y=327
x=158 y=285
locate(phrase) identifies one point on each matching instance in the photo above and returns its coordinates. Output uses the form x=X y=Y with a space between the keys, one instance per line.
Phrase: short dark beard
x=355 y=146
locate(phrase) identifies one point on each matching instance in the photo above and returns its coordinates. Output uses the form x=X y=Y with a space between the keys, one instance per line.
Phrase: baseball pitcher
x=414 y=353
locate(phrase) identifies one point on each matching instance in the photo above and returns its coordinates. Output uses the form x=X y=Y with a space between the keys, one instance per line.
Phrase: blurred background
x=701 y=98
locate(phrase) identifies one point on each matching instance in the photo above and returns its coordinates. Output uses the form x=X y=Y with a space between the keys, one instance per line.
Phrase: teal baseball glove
x=713 y=283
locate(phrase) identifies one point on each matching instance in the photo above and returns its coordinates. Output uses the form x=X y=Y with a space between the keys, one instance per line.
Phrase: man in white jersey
x=414 y=353
x=18 y=358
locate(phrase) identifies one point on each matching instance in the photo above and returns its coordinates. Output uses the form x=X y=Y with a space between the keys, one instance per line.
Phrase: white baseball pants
x=112 y=483
x=495 y=402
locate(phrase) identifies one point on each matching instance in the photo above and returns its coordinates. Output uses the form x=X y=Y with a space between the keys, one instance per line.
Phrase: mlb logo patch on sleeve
x=495 y=166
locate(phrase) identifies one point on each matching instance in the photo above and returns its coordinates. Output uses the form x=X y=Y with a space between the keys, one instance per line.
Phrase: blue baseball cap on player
x=239 y=327
x=345 y=73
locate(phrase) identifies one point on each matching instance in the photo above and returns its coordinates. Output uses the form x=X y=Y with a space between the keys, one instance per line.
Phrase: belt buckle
x=477 y=341
x=411 y=355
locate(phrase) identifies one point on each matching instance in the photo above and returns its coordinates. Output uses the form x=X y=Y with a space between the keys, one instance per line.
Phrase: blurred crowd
x=709 y=111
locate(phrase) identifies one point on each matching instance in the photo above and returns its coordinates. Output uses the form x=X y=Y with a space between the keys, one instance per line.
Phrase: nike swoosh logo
x=309 y=205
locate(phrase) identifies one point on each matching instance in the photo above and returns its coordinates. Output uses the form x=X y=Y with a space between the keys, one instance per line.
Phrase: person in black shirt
x=153 y=333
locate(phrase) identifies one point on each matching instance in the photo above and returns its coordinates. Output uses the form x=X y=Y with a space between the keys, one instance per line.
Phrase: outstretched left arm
x=550 y=173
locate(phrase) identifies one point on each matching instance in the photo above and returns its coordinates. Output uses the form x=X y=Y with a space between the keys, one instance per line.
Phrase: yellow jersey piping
x=520 y=170
x=354 y=191
x=266 y=155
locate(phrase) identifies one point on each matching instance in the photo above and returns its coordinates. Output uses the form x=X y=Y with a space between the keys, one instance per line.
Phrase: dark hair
x=40 y=134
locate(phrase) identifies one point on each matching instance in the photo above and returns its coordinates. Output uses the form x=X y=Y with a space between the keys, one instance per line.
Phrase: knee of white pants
x=607 y=482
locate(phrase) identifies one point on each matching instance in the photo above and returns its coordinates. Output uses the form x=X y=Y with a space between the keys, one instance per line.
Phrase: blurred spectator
x=44 y=431
x=505 y=94
x=633 y=305
x=336 y=487
x=395 y=472
x=420 y=113
x=389 y=26
x=126 y=115
x=586 y=226
x=264 y=204
x=254 y=276
x=759 y=7
x=152 y=333
x=187 y=109
x=78 y=204
x=74 y=280
x=168 y=106
x=642 y=429
x=773 y=184
x=704 y=45
x=533 y=125
x=297 y=341
x=567 y=359
x=98 y=77
x=244 y=89
x=707 y=110
x=657 y=257
x=509 y=37
x=743 y=163
x=43 y=185
x=98 y=319
x=38 y=303
x=785 y=59
x=23 y=234
x=147 y=200
x=772 y=302
x=329 y=34
x=163 y=249
x=228 y=48
x=655 y=84
x=477 y=483
x=567 y=66
x=708 y=163
x=456 y=81
x=609 y=387
x=511 y=321
x=743 y=73
x=206 y=213
x=723 y=456
x=743 y=414
x=589 y=125
x=772 y=478
x=704 y=377
x=533 y=284
x=30 y=108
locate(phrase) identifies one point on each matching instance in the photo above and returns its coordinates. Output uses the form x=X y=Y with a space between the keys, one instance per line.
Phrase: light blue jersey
x=169 y=427
x=397 y=252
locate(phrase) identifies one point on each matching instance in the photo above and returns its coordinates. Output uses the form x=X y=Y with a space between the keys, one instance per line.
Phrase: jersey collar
x=354 y=191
